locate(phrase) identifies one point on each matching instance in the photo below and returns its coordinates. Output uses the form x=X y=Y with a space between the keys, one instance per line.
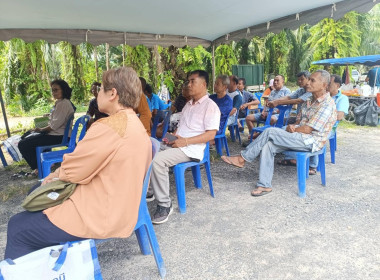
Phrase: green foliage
x=224 y=59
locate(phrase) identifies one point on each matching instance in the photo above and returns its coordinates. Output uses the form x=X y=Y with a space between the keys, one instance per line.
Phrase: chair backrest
x=161 y=114
x=259 y=94
x=69 y=124
x=284 y=109
x=270 y=112
x=83 y=120
x=223 y=133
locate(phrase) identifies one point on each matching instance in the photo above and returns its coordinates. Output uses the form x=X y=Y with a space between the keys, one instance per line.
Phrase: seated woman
x=106 y=200
x=93 y=109
x=53 y=133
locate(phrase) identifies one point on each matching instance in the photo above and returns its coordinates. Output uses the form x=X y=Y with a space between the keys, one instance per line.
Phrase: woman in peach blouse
x=108 y=165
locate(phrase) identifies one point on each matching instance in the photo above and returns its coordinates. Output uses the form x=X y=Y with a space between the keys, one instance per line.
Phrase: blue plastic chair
x=165 y=115
x=49 y=158
x=4 y=162
x=259 y=94
x=144 y=230
x=221 y=140
x=333 y=142
x=303 y=168
x=179 y=175
x=65 y=142
x=284 y=109
x=234 y=128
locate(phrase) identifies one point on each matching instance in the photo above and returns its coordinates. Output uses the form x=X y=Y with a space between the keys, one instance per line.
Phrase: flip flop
x=286 y=162
x=261 y=193
x=227 y=160
x=312 y=171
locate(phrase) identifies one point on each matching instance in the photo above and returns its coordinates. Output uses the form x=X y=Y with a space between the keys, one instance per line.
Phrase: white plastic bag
x=76 y=261
x=11 y=145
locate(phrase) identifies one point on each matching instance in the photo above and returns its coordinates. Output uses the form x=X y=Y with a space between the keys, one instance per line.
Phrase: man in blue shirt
x=279 y=91
x=154 y=102
x=237 y=99
x=297 y=97
x=221 y=99
x=373 y=79
x=248 y=99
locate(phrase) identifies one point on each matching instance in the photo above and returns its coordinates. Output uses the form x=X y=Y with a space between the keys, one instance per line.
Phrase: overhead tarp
x=165 y=22
x=369 y=60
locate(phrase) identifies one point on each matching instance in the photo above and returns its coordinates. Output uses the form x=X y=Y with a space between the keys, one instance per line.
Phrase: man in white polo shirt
x=198 y=125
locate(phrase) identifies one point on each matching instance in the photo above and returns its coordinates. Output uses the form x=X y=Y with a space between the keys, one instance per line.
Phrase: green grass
x=347 y=125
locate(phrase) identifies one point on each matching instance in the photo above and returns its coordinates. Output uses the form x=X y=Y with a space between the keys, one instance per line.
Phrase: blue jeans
x=272 y=141
x=313 y=160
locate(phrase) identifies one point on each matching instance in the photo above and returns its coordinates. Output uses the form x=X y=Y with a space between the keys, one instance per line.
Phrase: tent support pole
x=4 y=114
x=213 y=66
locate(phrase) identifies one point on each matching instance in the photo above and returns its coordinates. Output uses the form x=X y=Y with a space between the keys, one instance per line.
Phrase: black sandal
x=312 y=171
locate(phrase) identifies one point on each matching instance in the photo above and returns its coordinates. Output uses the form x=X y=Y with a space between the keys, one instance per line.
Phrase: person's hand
x=272 y=104
x=243 y=106
x=179 y=142
x=291 y=128
x=48 y=179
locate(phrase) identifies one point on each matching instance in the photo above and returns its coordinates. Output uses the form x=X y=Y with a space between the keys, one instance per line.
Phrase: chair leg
x=301 y=174
x=322 y=167
x=196 y=170
x=155 y=248
x=179 y=176
x=209 y=178
x=218 y=145
x=142 y=238
x=332 y=149
x=307 y=168
x=226 y=145
x=232 y=133
x=4 y=162
x=238 y=133
x=46 y=168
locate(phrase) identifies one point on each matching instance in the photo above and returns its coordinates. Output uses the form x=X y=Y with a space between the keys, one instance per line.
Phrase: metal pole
x=213 y=66
x=4 y=115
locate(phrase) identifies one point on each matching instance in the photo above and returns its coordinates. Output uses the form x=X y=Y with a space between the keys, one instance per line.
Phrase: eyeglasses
x=98 y=88
x=55 y=89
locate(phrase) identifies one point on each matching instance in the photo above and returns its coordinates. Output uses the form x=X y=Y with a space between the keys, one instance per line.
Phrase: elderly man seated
x=248 y=99
x=297 y=97
x=236 y=97
x=221 y=99
x=198 y=125
x=279 y=91
x=310 y=135
x=342 y=104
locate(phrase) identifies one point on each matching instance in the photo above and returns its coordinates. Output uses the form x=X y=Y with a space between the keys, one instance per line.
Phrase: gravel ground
x=333 y=233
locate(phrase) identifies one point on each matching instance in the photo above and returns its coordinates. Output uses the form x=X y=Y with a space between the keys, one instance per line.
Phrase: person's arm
x=237 y=101
x=199 y=139
x=339 y=115
x=253 y=102
x=145 y=113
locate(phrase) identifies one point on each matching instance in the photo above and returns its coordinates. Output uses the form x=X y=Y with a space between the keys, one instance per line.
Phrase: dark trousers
x=28 y=145
x=31 y=231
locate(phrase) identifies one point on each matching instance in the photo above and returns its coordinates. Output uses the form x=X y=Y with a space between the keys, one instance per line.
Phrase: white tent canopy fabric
x=165 y=22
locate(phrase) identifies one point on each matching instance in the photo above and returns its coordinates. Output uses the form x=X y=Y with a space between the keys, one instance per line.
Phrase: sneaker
x=162 y=214
x=150 y=197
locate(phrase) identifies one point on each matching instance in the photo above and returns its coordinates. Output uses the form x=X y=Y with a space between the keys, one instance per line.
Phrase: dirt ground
x=333 y=233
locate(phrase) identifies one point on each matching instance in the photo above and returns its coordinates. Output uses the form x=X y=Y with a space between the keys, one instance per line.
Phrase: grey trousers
x=159 y=180
x=272 y=141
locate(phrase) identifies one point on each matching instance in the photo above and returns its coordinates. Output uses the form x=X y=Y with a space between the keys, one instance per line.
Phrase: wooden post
x=213 y=66
x=4 y=115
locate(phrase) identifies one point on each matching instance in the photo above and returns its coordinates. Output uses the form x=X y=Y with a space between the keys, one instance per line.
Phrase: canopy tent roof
x=165 y=22
x=369 y=60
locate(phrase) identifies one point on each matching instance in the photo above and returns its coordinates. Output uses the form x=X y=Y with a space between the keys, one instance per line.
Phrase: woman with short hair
x=108 y=165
